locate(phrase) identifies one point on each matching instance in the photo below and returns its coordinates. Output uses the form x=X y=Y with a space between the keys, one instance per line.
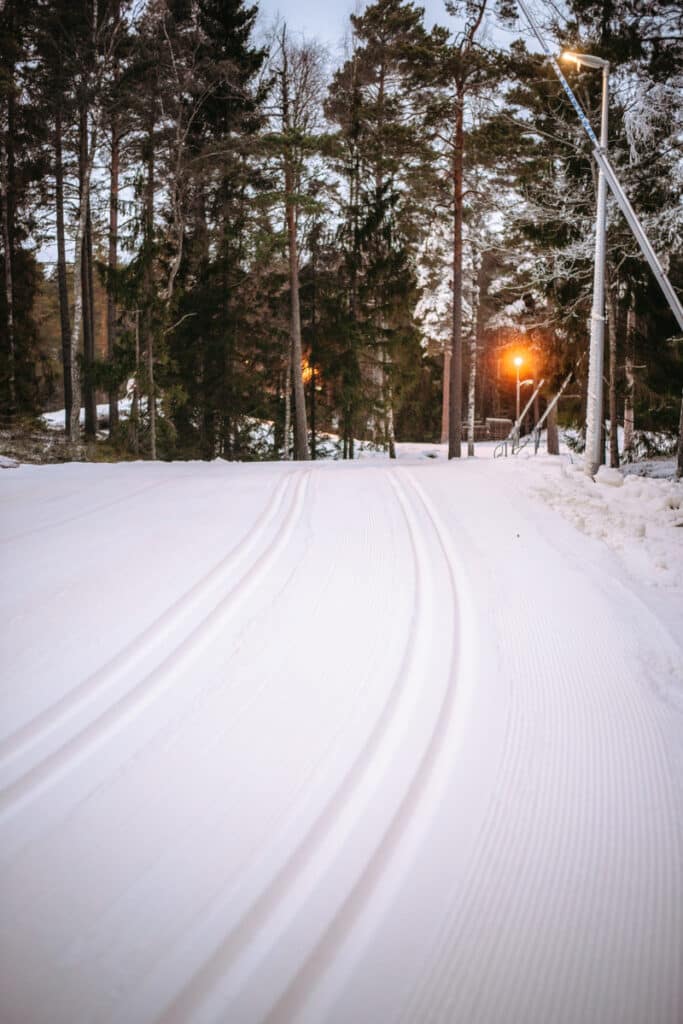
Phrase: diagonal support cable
x=612 y=180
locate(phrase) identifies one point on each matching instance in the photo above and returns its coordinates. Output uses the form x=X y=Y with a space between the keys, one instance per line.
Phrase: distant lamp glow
x=307 y=371
x=518 y=361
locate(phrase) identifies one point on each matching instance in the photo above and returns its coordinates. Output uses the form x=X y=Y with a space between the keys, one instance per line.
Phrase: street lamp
x=518 y=362
x=593 y=456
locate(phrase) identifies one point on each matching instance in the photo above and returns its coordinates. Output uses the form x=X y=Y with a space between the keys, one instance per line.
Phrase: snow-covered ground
x=354 y=742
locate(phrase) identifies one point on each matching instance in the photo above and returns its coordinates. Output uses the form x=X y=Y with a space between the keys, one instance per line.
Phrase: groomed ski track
x=329 y=742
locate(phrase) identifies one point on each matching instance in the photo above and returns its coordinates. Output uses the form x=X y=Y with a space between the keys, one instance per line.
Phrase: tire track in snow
x=205 y=617
x=229 y=966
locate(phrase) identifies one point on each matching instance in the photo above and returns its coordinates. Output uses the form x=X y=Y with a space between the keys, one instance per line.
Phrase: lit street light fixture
x=520 y=384
x=593 y=455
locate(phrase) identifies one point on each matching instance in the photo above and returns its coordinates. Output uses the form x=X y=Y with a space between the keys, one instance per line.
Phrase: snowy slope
x=341 y=742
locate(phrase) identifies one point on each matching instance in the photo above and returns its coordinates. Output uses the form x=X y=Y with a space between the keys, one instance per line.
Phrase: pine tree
x=384 y=159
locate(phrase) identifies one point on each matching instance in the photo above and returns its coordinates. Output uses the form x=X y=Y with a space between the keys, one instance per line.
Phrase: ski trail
x=229 y=982
x=401 y=760
x=223 y=943
x=66 y=757
x=312 y=993
x=142 y=653
x=347 y=703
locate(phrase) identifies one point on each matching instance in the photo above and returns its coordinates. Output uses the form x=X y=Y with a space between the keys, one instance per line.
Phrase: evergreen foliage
x=242 y=235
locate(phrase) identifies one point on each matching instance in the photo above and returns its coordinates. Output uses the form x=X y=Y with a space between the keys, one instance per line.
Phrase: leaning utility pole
x=636 y=227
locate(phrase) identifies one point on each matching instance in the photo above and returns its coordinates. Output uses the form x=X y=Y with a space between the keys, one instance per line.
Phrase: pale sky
x=328 y=20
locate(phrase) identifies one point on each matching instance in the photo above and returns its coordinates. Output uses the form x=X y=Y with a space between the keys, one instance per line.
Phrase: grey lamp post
x=594 y=416
x=518 y=363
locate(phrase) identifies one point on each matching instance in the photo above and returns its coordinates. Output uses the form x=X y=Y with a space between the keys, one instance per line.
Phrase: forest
x=258 y=246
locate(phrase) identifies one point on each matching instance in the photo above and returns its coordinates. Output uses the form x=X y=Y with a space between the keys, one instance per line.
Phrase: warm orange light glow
x=306 y=371
x=518 y=360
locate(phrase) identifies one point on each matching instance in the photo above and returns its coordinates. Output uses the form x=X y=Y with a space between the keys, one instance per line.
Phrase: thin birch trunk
x=84 y=169
x=300 y=431
x=288 y=404
x=679 y=452
x=391 y=432
x=134 y=420
x=113 y=263
x=313 y=424
x=152 y=397
x=74 y=426
x=445 y=392
x=7 y=247
x=64 y=314
x=630 y=382
x=472 y=383
x=612 y=313
x=149 y=289
x=455 y=403
x=388 y=403
x=455 y=397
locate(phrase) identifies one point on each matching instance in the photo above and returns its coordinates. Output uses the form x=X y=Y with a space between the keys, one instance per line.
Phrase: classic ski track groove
x=47 y=771
x=249 y=920
x=406 y=818
x=156 y=634
x=281 y=897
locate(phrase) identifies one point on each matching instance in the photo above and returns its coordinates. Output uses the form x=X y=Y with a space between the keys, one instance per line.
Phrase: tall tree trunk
x=112 y=263
x=455 y=405
x=300 y=431
x=313 y=426
x=74 y=426
x=79 y=318
x=7 y=238
x=455 y=398
x=134 y=418
x=630 y=381
x=313 y=355
x=472 y=383
x=679 y=453
x=90 y=401
x=445 y=393
x=84 y=164
x=148 y=278
x=288 y=403
x=612 y=314
x=552 y=433
x=390 y=429
x=152 y=398
x=385 y=365
x=388 y=404
x=64 y=315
